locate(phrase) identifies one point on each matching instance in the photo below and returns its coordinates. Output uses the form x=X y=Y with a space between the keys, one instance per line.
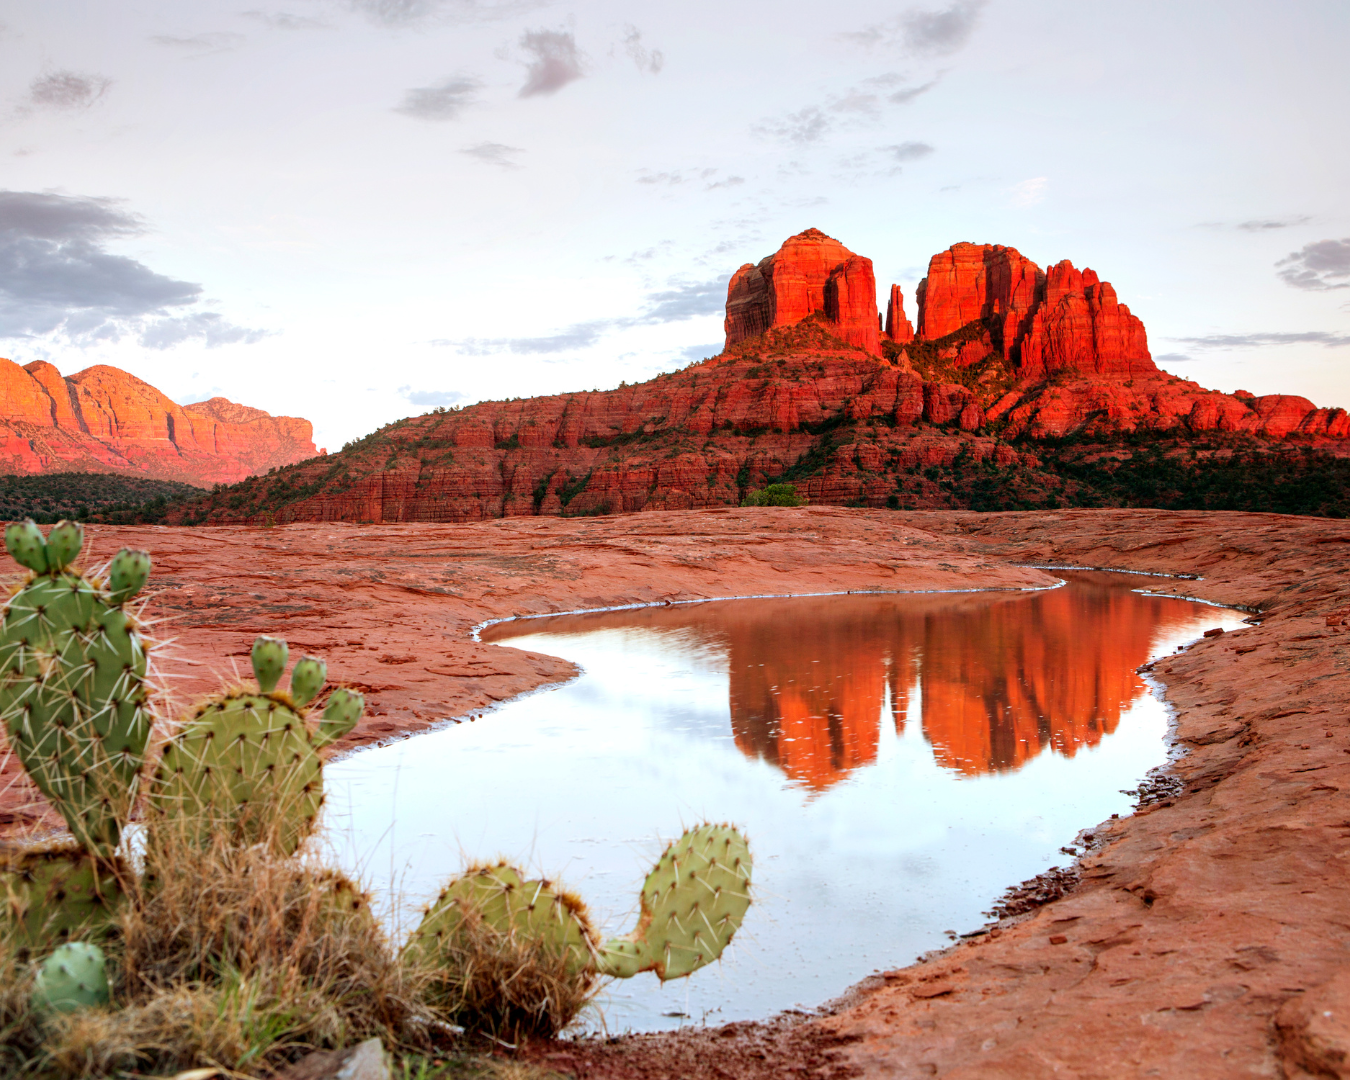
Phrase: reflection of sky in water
x=942 y=776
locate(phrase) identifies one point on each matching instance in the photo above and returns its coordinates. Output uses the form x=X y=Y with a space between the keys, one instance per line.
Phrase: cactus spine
x=246 y=765
x=75 y=976
x=73 y=692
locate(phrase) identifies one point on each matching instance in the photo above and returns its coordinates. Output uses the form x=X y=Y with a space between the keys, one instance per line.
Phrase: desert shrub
x=775 y=495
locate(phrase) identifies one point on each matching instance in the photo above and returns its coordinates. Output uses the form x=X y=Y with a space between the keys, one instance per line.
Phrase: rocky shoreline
x=1209 y=932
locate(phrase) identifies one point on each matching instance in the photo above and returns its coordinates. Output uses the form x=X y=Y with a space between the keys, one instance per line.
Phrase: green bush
x=775 y=495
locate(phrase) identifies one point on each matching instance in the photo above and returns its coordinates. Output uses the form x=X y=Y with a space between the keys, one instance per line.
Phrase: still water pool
x=897 y=761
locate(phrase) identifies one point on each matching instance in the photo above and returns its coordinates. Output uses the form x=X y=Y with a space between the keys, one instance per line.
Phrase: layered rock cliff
x=104 y=420
x=1005 y=357
x=810 y=273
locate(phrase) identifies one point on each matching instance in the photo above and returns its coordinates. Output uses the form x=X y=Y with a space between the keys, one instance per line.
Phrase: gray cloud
x=444 y=101
x=217 y=41
x=556 y=61
x=1172 y=358
x=493 y=153
x=675 y=177
x=908 y=151
x=685 y=300
x=208 y=326
x=431 y=397
x=903 y=94
x=396 y=13
x=56 y=275
x=856 y=101
x=1255 y=341
x=651 y=61
x=1263 y=224
x=285 y=20
x=938 y=33
x=921 y=32
x=682 y=300
x=1316 y=266
x=692 y=354
x=577 y=336
x=805 y=126
x=66 y=90
x=907 y=94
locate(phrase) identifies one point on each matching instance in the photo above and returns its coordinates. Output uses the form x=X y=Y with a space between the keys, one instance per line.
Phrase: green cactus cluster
x=246 y=765
x=244 y=769
x=73 y=693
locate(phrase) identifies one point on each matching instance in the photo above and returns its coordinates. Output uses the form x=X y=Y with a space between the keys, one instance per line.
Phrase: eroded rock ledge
x=1210 y=933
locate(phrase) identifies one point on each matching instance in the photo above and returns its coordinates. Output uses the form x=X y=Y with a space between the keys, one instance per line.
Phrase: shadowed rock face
x=105 y=420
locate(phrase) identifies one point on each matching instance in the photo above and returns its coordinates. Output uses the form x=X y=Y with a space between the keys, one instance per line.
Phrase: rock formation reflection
x=997 y=678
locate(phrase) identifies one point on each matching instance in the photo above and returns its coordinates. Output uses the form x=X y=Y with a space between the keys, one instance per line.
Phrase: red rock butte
x=810 y=389
x=810 y=273
x=105 y=420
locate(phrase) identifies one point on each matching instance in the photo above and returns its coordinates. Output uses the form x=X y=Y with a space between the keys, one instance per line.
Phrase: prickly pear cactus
x=75 y=976
x=693 y=902
x=245 y=765
x=73 y=695
x=534 y=911
x=57 y=892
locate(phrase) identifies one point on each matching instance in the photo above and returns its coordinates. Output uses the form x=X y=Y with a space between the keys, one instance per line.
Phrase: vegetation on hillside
x=82 y=496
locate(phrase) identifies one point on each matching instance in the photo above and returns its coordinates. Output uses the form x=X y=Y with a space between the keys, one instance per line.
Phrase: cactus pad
x=269 y=661
x=307 y=679
x=63 y=545
x=24 y=540
x=339 y=715
x=533 y=911
x=244 y=766
x=53 y=893
x=693 y=902
x=72 y=690
x=75 y=976
x=127 y=574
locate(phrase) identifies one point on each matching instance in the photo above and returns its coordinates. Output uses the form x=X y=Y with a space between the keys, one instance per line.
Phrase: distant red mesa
x=104 y=420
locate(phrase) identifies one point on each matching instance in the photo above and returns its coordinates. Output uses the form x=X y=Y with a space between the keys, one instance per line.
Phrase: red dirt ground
x=1209 y=933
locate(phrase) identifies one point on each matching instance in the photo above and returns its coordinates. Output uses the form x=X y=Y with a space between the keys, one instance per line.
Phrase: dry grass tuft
x=239 y=957
x=507 y=985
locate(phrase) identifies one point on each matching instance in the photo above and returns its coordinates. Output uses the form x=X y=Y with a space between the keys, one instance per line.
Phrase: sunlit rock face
x=104 y=420
x=997 y=681
x=808 y=389
x=810 y=273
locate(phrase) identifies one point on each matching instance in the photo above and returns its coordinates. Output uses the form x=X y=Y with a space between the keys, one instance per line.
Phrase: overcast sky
x=355 y=211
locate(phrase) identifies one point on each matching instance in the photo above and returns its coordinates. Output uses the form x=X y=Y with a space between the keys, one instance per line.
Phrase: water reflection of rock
x=1002 y=678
